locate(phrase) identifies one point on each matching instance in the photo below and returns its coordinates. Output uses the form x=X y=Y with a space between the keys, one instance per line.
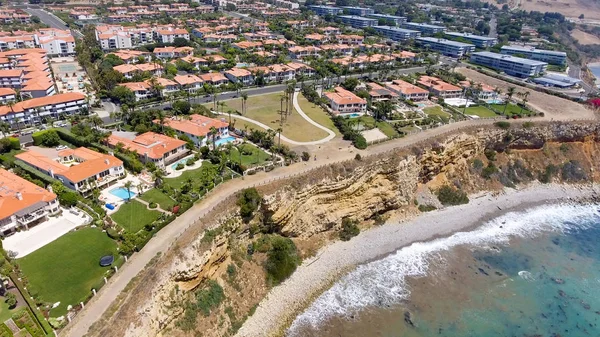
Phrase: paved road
x=493 y=25
x=52 y=20
x=161 y=242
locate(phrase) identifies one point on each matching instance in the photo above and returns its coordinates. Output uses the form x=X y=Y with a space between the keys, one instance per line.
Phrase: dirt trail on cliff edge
x=553 y=107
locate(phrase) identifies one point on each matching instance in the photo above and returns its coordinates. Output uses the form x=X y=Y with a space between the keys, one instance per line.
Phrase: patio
x=173 y=173
x=111 y=195
x=26 y=242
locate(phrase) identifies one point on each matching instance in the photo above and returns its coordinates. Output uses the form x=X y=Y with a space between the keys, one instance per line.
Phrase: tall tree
x=509 y=94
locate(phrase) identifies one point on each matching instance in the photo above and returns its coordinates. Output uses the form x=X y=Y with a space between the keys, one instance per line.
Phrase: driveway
x=26 y=242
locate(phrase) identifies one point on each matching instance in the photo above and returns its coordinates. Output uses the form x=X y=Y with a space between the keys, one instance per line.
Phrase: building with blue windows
x=549 y=56
x=360 y=11
x=397 y=34
x=325 y=10
x=358 y=21
x=511 y=65
x=424 y=28
x=397 y=20
x=477 y=40
x=446 y=47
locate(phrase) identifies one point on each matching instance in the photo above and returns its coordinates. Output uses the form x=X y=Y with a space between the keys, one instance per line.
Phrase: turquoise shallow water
x=533 y=273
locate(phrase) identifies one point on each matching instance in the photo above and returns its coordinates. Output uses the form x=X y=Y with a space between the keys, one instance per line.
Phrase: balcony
x=31 y=217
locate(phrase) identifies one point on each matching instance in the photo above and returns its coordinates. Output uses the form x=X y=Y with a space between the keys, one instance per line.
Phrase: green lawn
x=437 y=111
x=512 y=109
x=251 y=155
x=134 y=215
x=387 y=129
x=317 y=114
x=205 y=172
x=66 y=269
x=367 y=122
x=5 y=312
x=157 y=196
x=480 y=111
x=265 y=109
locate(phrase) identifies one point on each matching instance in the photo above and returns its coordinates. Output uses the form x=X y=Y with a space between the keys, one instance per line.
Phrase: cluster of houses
x=28 y=71
x=55 y=42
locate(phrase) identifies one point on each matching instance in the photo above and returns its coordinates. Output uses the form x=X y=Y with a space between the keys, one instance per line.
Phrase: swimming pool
x=67 y=68
x=121 y=192
x=180 y=161
x=355 y=115
x=494 y=101
x=225 y=140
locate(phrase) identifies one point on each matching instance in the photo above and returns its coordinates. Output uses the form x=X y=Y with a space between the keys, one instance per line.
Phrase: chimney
x=51 y=171
x=50 y=189
x=106 y=161
x=19 y=195
x=111 y=153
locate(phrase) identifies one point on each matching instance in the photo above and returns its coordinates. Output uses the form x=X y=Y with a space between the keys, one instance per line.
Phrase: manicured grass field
x=134 y=215
x=265 y=109
x=65 y=270
x=206 y=171
x=480 y=111
x=436 y=111
x=369 y=122
x=157 y=196
x=256 y=157
x=5 y=312
x=512 y=109
x=317 y=114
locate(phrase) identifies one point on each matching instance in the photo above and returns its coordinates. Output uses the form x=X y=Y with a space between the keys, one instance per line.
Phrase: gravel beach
x=316 y=274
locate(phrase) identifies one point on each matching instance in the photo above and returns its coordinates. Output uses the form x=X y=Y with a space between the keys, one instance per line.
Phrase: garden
x=133 y=216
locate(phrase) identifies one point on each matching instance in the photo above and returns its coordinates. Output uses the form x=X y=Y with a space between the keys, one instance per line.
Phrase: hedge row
x=31 y=304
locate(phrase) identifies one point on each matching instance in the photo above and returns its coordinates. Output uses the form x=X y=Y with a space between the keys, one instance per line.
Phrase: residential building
x=360 y=11
x=299 y=52
x=330 y=30
x=132 y=56
x=189 y=82
x=17 y=42
x=483 y=91
x=240 y=75
x=129 y=70
x=548 y=56
x=140 y=89
x=408 y=91
x=440 y=88
x=275 y=72
x=33 y=110
x=301 y=69
x=379 y=93
x=169 y=36
x=11 y=78
x=169 y=87
x=198 y=127
x=152 y=147
x=343 y=101
x=397 y=34
x=350 y=39
x=326 y=10
x=478 y=40
x=59 y=45
x=389 y=19
x=7 y=95
x=80 y=169
x=23 y=204
x=358 y=21
x=557 y=80
x=446 y=47
x=424 y=28
x=215 y=79
x=172 y=52
x=511 y=65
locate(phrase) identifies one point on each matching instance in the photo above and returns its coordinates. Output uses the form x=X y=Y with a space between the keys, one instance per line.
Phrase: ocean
x=595 y=69
x=529 y=273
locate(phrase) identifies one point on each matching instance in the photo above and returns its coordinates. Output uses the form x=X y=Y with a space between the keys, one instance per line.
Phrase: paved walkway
x=164 y=239
x=330 y=133
x=148 y=206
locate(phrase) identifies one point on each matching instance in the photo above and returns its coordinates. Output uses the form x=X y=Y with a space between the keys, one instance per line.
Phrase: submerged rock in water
x=558 y=280
x=408 y=319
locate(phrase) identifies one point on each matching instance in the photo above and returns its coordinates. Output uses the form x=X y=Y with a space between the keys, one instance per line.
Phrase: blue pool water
x=523 y=274
x=352 y=115
x=182 y=161
x=122 y=193
x=225 y=140
x=494 y=101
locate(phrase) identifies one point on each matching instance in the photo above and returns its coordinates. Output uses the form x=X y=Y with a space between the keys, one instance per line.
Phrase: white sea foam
x=526 y=275
x=383 y=282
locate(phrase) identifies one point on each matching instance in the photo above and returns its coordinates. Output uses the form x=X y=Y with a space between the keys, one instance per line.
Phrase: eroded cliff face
x=313 y=205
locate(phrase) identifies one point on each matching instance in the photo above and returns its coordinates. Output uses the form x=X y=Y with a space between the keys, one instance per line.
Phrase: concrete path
x=148 y=206
x=165 y=238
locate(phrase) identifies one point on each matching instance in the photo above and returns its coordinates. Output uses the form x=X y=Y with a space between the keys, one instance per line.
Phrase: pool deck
x=171 y=173
x=108 y=198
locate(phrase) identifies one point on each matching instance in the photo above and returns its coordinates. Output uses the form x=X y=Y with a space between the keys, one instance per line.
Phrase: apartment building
x=169 y=36
x=12 y=78
x=408 y=91
x=129 y=70
x=80 y=169
x=379 y=93
x=477 y=40
x=189 y=82
x=58 y=45
x=301 y=69
x=215 y=79
x=440 y=88
x=358 y=21
x=198 y=127
x=23 y=204
x=240 y=75
x=511 y=65
x=152 y=147
x=132 y=56
x=350 y=39
x=548 y=56
x=7 y=95
x=360 y=11
x=323 y=10
x=389 y=19
x=397 y=34
x=299 y=52
x=343 y=102
x=275 y=73
x=141 y=90
x=446 y=47
x=424 y=28
x=168 y=86
x=33 y=110
x=172 y=52
x=17 y=42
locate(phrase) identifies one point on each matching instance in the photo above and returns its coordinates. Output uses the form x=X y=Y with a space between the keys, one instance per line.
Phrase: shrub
x=564 y=147
x=47 y=138
x=528 y=125
x=179 y=166
x=449 y=195
x=190 y=162
x=489 y=171
x=427 y=208
x=490 y=154
x=15 y=143
x=546 y=176
x=477 y=164
x=11 y=300
x=209 y=298
x=249 y=201
x=305 y=156
x=152 y=205
x=572 y=171
x=502 y=125
x=358 y=157
x=349 y=229
x=282 y=259
x=68 y=198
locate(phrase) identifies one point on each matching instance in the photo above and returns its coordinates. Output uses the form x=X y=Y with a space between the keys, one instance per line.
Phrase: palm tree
x=158 y=177
x=509 y=93
x=213 y=133
x=279 y=131
x=161 y=120
x=384 y=109
x=140 y=188
x=128 y=186
x=524 y=96
x=244 y=105
x=4 y=128
x=95 y=120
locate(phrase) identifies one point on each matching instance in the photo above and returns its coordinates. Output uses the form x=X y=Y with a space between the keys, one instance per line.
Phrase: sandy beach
x=315 y=275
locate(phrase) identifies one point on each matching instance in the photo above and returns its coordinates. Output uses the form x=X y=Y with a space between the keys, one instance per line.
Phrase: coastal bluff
x=309 y=209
